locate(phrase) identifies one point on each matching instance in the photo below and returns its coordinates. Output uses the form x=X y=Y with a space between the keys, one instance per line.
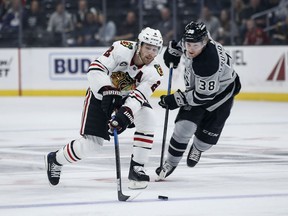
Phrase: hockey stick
x=121 y=196
x=166 y=115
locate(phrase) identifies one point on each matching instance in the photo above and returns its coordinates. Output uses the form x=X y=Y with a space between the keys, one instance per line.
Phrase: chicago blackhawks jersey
x=209 y=77
x=116 y=68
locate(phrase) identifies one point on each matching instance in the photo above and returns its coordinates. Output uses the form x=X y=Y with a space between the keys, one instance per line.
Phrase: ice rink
x=246 y=174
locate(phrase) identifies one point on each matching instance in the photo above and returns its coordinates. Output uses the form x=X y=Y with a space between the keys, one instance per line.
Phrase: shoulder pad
x=207 y=63
x=127 y=44
x=123 y=49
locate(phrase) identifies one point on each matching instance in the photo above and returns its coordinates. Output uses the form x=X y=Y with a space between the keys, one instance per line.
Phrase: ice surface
x=245 y=174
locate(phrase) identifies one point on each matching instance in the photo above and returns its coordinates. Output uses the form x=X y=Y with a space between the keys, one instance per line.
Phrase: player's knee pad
x=79 y=149
x=88 y=145
x=183 y=131
x=200 y=145
x=145 y=120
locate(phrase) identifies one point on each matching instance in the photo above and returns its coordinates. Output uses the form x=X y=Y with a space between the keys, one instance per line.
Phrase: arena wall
x=62 y=71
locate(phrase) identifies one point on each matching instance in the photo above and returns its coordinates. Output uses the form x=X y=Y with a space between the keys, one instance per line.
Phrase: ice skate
x=137 y=176
x=193 y=156
x=165 y=171
x=53 y=168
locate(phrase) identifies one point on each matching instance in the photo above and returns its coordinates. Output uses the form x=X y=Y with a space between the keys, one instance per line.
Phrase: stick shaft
x=121 y=196
x=166 y=116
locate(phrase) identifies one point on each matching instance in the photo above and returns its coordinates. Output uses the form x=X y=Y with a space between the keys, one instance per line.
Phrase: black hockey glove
x=122 y=120
x=172 y=54
x=173 y=101
x=111 y=100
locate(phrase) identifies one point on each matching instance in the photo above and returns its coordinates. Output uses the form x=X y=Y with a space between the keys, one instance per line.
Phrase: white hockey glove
x=172 y=54
x=173 y=101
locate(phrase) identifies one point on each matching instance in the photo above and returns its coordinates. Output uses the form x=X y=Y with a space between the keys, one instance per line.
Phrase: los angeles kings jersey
x=209 y=77
x=116 y=68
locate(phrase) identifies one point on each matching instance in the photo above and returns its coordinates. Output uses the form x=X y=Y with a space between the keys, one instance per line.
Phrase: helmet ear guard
x=151 y=36
x=195 y=32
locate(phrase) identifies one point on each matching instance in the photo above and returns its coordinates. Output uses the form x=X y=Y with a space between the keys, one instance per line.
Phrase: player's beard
x=146 y=59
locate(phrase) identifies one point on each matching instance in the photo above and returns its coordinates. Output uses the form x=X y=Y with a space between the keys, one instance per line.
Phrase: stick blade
x=124 y=198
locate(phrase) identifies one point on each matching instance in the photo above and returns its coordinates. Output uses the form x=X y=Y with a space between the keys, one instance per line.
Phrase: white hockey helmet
x=151 y=36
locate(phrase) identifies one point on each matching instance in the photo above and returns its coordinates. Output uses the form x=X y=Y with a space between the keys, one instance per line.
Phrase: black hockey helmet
x=195 y=32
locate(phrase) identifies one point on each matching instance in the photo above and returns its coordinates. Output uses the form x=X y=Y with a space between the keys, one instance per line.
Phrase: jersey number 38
x=206 y=86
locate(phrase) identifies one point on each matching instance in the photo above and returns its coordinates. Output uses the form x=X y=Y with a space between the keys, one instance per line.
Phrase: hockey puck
x=162 y=197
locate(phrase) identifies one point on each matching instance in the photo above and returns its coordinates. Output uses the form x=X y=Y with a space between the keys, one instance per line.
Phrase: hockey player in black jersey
x=211 y=84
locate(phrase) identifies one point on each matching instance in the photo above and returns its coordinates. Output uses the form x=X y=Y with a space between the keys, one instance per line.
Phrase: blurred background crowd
x=76 y=23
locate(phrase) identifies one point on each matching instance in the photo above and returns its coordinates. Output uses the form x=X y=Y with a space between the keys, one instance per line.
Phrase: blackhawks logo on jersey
x=123 y=81
x=159 y=69
x=127 y=44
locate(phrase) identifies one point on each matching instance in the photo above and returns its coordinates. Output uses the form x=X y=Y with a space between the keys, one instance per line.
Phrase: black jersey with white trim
x=116 y=68
x=209 y=77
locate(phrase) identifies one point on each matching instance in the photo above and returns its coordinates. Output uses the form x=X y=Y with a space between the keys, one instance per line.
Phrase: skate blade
x=159 y=179
x=136 y=185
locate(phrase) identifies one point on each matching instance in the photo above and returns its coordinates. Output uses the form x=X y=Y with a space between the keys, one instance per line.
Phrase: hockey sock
x=67 y=154
x=78 y=149
x=175 y=152
x=200 y=145
x=142 y=147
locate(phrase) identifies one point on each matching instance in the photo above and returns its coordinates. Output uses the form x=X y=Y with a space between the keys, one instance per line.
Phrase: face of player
x=194 y=49
x=148 y=53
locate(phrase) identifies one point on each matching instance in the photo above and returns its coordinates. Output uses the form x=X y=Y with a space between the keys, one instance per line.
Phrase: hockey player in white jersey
x=121 y=80
x=211 y=84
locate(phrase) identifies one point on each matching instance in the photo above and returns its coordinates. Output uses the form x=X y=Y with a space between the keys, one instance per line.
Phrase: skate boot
x=53 y=168
x=137 y=176
x=193 y=156
x=165 y=171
